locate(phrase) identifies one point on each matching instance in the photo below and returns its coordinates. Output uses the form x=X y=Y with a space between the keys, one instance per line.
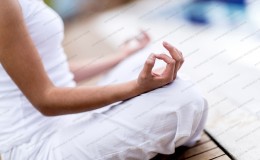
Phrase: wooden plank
x=204 y=138
x=185 y=152
x=200 y=149
x=224 y=157
x=205 y=149
x=208 y=155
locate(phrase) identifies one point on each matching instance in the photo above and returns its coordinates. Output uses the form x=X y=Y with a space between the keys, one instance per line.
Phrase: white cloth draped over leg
x=139 y=128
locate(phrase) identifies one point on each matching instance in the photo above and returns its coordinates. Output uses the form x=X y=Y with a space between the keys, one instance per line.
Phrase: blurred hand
x=149 y=80
x=135 y=44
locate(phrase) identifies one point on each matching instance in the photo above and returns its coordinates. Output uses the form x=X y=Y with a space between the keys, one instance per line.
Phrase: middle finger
x=175 y=55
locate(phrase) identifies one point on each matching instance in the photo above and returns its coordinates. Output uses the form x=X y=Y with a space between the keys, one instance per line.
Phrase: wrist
x=137 y=89
x=123 y=55
x=120 y=57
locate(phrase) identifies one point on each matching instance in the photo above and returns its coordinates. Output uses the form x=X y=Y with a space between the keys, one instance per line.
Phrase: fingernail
x=165 y=43
x=152 y=55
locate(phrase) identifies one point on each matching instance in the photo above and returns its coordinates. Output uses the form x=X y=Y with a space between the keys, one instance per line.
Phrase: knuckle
x=179 y=59
x=172 y=61
x=149 y=62
x=175 y=50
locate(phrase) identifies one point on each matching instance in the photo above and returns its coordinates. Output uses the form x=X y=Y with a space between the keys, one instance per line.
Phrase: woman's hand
x=149 y=80
x=135 y=44
x=82 y=71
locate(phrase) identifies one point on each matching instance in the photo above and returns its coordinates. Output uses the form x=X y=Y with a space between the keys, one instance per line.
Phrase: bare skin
x=21 y=60
x=82 y=71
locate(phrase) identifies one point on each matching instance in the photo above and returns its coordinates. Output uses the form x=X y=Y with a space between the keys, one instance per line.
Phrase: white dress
x=154 y=122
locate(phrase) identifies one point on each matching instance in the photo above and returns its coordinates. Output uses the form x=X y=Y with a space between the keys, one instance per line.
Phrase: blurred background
x=196 y=11
x=220 y=40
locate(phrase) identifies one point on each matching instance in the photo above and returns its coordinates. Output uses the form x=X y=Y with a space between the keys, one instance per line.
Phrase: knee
x=184 y=93
x=184 y=90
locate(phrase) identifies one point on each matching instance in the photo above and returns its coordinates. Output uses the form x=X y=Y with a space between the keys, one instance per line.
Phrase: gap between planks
x=205 y=149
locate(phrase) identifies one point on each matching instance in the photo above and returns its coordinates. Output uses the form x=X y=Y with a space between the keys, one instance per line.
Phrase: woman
x=44 y=116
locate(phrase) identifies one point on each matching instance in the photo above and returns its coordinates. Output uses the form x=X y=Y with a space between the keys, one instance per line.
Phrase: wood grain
x=224 y=157
x=205 y=149
x=208 y=155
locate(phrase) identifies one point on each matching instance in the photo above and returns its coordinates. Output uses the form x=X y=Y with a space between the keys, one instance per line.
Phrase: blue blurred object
x=238 y=2
x=199 y=11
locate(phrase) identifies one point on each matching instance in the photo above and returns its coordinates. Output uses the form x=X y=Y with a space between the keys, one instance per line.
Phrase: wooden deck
x=205 y=149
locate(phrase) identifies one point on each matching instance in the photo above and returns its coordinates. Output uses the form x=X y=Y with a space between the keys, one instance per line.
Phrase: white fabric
x=19 y=121
x=155 y=122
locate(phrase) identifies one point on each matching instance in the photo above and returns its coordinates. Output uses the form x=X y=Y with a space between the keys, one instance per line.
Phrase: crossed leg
x=136 y=129
x=139 y=128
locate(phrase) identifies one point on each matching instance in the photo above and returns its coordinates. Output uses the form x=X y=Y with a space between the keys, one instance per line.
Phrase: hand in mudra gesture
x=135 y=44
x=149 y=79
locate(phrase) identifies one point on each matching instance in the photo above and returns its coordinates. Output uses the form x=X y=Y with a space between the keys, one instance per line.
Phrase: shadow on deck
x=205 y=149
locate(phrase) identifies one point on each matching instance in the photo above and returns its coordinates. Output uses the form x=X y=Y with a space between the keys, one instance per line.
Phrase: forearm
x=83 y=70
x=60 y=101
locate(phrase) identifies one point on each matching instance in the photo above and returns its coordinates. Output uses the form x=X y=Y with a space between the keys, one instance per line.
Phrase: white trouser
x=136 y=129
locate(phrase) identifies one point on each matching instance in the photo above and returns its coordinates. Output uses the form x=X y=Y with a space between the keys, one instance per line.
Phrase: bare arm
x=83 y=70
x=20 y=59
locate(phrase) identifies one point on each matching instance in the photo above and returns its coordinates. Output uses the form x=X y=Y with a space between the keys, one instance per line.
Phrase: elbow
x=45 y=106
x=46 y=111
x=47 y=103
x=43 y=100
